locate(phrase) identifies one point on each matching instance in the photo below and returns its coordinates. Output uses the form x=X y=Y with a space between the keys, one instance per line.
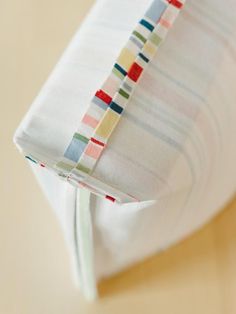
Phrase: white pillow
x=174 y=147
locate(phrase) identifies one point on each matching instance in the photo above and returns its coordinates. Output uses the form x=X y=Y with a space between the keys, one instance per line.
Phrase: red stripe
x=110 y=198
x=97 y=142
x=103 y=96
x=176 y=3
x=135 y=72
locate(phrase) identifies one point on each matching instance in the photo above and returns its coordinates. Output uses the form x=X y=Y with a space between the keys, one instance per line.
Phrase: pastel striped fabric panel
x=103 y=97
x=174 y=144
x=107 y=106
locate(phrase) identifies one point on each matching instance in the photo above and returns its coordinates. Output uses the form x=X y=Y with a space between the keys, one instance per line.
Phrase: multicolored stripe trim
x=108 y=104
x=95 y=186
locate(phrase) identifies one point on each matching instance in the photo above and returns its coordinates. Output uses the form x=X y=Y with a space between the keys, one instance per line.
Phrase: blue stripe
x=114 y=106
x=155 y=10
x=99 y=103
x=147 y=25
x=31 y=159
x=143 y=57
x=136 y=42
x=75 y=150
x=119 y=68
x=127 y=87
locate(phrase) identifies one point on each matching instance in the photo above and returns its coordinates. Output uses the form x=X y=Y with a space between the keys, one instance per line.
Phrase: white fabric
x=175 y=143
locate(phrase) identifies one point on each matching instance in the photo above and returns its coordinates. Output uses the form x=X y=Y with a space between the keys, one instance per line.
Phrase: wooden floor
x=196 y=276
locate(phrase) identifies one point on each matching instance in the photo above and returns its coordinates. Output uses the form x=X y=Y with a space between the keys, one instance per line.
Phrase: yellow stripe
x=125 y=59
x=149 y=48
x=108 y=123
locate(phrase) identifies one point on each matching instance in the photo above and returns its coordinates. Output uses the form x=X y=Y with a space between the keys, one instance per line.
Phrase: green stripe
x=139 y=36
x=65 y=166
x=155 y=39
x=118 y=73
x=81 y=138
x=123 y=93
x=83 y=168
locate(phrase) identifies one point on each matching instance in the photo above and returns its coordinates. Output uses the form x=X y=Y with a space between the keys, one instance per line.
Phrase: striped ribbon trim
x=109 y=102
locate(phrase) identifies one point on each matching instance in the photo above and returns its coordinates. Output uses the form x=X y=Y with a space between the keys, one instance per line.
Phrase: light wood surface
x=196 y=276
